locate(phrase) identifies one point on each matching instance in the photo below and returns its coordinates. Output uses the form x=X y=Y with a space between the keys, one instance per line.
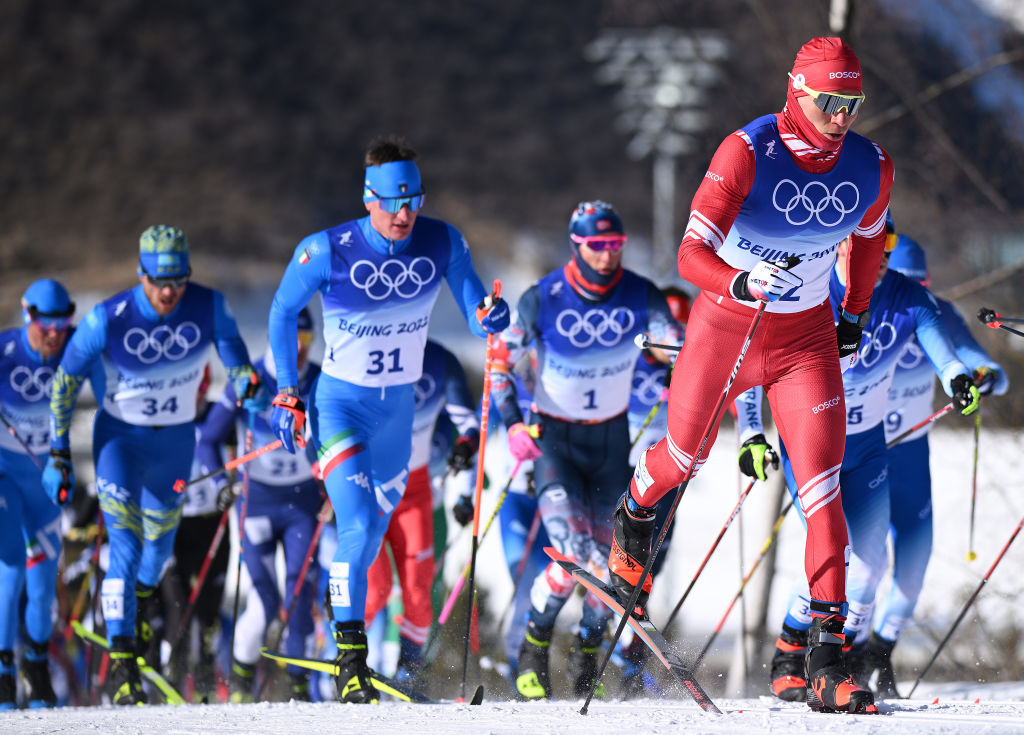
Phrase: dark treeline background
x=244 y=123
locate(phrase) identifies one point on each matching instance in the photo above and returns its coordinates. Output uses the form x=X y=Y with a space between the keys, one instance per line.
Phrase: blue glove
x=252 y=394
x=493 y=314
x=288 y=419
x=59 y=476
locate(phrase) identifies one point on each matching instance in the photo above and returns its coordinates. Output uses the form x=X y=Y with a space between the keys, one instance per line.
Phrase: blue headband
x=389 y=180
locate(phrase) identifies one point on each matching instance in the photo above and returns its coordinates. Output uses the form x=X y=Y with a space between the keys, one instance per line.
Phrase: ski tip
x=478 y=696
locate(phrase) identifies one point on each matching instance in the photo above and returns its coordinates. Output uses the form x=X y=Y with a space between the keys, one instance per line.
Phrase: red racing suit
x=766 y=195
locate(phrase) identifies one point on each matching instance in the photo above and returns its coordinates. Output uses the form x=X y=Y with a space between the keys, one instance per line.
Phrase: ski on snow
x=170 y=694
x=643 y=628
x=383 y=684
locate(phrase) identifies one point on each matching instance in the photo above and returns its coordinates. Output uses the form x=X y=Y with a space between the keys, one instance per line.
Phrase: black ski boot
x=879 y=657
x=240 y=682
x=583 y=655
x=148 y=624
x=35 y=667
x=124 y=680
x=830 y=688
x=206 y=669
x=533 y=680
x=354 y=684
x=631 y=548
x=787 y=675
x=298 y=686
x=8 y=684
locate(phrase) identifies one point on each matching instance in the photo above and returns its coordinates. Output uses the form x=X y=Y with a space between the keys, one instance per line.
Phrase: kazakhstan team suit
x=282 y=507
x=30 y=534
x=144 y=433
x=442 y=386
x=377 y=297
x=910 y=402
x=793 y=353
x=901 y=309
x=585 y=359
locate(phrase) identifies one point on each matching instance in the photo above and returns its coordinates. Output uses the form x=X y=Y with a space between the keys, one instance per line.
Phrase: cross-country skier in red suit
x=788 y=184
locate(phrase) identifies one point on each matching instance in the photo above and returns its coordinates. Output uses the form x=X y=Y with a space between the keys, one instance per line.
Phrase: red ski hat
x=827 y=64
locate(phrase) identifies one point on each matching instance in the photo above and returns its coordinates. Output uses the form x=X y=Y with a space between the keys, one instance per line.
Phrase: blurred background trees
x=244 y=122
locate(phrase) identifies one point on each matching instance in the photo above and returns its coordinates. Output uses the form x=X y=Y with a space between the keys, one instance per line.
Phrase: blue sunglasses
x=393 y=205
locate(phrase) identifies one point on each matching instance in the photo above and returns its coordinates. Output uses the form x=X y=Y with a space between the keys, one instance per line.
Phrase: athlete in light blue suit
x=379 y=277
x=900 y=310
x=910 y=402
x=30 y=541
x=153 y=342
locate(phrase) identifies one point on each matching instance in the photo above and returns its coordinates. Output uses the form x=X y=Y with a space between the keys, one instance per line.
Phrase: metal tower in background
x=665 y=74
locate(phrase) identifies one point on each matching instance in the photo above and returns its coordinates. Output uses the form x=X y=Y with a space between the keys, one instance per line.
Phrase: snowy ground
x=964 y=706
x=1001 y=711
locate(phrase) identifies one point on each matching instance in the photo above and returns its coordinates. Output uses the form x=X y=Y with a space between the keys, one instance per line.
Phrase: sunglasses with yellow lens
x=831 y=103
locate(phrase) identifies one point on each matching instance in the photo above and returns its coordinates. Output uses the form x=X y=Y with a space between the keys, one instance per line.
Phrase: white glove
x=769 y=281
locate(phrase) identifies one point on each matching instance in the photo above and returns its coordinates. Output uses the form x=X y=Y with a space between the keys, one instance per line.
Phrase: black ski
x=643 y=628
x=383 y=684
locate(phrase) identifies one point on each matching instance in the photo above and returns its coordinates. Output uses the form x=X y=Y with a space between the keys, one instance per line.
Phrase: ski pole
x=531 y=537
x=79 y=605
x=644 y=343
x=646 y=572
x=971 y=555
x=991 y=319
x=934 y=417
x=249 y=456
x=764 y=550
x=485 y=410
x=467 y=570
x=728 y=522
x=197 y=586
x=457 y=588
x=241 y=531
x=14 y=433
x=967 y=605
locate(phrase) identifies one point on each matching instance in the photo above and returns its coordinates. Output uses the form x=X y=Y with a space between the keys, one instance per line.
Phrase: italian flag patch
x=304 y=257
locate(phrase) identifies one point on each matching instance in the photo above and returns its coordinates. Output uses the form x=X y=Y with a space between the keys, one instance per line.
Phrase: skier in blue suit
x=910 y=402
x=30 y=539
x=283 y=501
x=153 y=343
x=379 y=277
x=900 y=310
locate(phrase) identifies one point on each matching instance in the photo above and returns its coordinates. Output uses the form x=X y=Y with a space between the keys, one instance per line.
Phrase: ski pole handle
x=644 y=343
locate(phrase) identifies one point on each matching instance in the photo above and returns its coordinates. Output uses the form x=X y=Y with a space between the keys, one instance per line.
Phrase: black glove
x=848 y=335
x=965 y=394
x=753 y=454
x=226 y=497
x=463 y=453
x=463 y=509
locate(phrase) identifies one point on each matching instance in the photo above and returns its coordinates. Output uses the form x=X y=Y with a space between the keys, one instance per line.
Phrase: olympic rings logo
x=423 y=389
x=816 y=201
x=877 y=342
x=647 y=388
x=605 y=327
x=393 y=276
x=911 y=356
x=32 y=384
x=162 y=342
